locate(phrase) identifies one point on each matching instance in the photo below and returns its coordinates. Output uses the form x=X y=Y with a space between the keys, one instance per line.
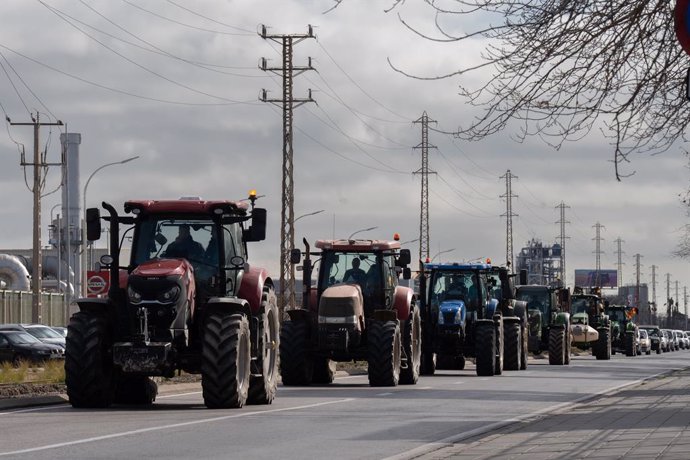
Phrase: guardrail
x=15 y=307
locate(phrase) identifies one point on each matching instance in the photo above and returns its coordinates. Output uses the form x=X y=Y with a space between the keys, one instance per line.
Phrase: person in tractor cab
x=184 y=245
x=355 y=274
x=457 y=290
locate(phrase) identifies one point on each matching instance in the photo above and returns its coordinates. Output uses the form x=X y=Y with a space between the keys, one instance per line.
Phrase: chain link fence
x=15 y=307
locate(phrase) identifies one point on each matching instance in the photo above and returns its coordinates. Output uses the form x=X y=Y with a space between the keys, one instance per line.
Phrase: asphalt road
x=347 y=419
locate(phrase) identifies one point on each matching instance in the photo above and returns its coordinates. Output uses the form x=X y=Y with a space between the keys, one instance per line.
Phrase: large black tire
x=324 y=371
x=524 y=334
x=412 y=343
x=384 y=353
x=262 y=387
x=485 y=348
x=630 y=345
x=135 y=390
x=428 y=364
x=296 y=367
x=460 y=362
x=603 y=348
x=225 y=360
x=89 y=372
x=568 y=344
x=556 y=346
x=500 y=346
x=658 y=350
x=513 y=345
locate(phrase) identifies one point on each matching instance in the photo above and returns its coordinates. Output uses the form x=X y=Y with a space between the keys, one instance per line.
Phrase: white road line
x=178 y=394
x=384 y=394
x=459 y=383
x=171 y=426
x=35 y=409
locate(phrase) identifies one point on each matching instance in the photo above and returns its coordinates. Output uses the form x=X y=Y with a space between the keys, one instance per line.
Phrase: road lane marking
x=170 y=426
x=384 y=394
x=458 y=383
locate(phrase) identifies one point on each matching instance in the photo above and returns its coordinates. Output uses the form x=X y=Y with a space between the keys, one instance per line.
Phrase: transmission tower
x=287 y=231
x=508 y=176
x=654 y=267
x=598 y=252
x=562 y=207
x=620 y=263
x=424 y=243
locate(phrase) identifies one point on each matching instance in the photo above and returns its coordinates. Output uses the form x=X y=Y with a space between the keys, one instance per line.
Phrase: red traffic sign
x=682 y=23
x=97 y=283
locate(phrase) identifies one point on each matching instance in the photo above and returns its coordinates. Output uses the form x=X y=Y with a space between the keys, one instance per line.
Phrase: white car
x=645 y=343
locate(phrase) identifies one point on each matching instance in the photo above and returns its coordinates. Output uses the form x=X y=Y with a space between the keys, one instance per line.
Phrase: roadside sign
x=682 y=23
x=97 y=283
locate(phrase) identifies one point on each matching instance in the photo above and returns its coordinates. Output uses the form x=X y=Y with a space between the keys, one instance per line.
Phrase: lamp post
x=360 y=231
x=84 y=242
x=408 y=241
x=441 y=252
x=308 y=214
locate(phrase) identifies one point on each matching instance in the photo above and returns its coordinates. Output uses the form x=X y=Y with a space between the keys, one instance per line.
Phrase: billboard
x=588 y=278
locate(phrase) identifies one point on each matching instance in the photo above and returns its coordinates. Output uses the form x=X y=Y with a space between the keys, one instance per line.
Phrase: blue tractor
x=470 y=311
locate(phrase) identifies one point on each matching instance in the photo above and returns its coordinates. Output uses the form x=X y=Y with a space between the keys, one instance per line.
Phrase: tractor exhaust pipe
x=114 y=249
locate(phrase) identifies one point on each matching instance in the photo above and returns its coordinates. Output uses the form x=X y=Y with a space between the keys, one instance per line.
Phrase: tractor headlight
x=134 y=296
x=170 y=295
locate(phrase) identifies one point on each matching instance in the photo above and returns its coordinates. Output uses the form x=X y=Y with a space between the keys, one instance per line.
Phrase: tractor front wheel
x=412 y=343
x=557 y=346
x=384 y=353
x=513 y=345
x=262 y=387
x=296 y=368
x=485 y=348
x=630 y=345
x=89 y=373
x=603 y=348
x=226 y=360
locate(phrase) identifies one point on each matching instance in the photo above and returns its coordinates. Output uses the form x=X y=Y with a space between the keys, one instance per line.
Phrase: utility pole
x=620 y=263
x=288 y=103
x=654 y=267
x=424 y=241
x=677 y=304
x=685 y=306
x=508 y=176
x=598 y=252
x=637 y=283
x=562 y=207
x=40 y=169
x=669 y=306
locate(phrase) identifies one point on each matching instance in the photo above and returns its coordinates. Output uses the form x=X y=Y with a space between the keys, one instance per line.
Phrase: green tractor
x=548 y=309
x=624 y=331
x=591 y=326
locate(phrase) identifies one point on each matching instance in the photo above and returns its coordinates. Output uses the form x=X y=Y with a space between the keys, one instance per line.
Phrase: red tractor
x=188 y=300
x=356 y=311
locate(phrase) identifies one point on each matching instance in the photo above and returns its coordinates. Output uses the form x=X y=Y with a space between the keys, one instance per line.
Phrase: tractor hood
x=162 y=267
x=342 y=303
x=452 y=312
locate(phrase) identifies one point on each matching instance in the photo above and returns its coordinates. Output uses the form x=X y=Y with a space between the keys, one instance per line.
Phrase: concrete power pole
x=40 y=167
x=637 y=283
x=654 y=267
x=685 y=306
x=620 y=263
x=677 y=303
x=424 y=242
x=562 y=237
x=598 y=252
x=669 y=307
x=508 y=176
x=287 y=103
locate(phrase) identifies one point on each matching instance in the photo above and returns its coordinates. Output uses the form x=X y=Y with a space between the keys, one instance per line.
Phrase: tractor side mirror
x=404 y=258
x=295 y=256
x=93 y=224
x=257 y=232
x=523 y=277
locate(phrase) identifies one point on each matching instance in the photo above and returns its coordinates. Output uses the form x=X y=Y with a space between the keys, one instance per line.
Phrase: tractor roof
x=451 y=266
x=186 y=206
x=357 y=245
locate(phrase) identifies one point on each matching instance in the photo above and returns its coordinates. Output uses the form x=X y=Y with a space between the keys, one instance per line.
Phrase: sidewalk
x=650 y=420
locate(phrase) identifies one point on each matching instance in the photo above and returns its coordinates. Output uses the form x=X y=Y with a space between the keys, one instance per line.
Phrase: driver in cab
x=184 y=245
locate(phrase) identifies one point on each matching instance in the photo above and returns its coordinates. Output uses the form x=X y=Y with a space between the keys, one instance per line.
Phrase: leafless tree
x=564 y=67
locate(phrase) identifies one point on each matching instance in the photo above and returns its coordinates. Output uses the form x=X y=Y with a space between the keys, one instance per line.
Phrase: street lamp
x=360 y=231
x=441 y=252
x=84 y=242
x=308 y=214
x=408 y=241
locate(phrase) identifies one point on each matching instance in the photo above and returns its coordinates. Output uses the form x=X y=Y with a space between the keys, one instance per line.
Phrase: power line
x=249 y=32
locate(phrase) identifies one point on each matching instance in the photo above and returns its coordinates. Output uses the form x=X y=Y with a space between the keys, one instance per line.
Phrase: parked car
x=665 y=341
x=645 y=342
x=669 y=337
x=682 y=339
x=43 y=333
x=16 y=346
x=655 y=336
x=60 y=330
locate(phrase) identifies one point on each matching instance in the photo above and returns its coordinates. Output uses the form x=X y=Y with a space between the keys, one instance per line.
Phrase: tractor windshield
x=617 y=314
x=537 y=299
x=581 y=305
x=455 y=285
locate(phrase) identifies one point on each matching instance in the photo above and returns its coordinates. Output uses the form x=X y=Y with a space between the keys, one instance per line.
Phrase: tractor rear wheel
x=485 y=348
x=513 y=345
x=428 y=363
x=556 y=346
x=135 y=389
x=89 y=373
x=630 y=345
x=324 y=371
x=500 y=346
x=296 y=368
x=412 y=343
x=262 y=388
x=384 y=353
x=225 y=360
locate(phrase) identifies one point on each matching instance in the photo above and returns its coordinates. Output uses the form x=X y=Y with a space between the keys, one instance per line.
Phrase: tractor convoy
x=188 y=300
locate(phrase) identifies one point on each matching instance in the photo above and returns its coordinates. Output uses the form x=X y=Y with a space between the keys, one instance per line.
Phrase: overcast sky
x=177 y=83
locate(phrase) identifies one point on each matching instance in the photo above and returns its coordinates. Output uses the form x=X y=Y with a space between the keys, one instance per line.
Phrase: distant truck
x=462 y=319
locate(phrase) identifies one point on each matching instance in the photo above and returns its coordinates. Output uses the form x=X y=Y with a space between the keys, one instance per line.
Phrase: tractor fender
x=252 y=287
x=520 y=310
x=491 y=307
x=562 y=319
x=228 y=304
x=98 y=306
x=403 y=301
x=299 y=314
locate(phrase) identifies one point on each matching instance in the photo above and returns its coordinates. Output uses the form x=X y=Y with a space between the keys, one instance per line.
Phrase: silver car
x=645 y=342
